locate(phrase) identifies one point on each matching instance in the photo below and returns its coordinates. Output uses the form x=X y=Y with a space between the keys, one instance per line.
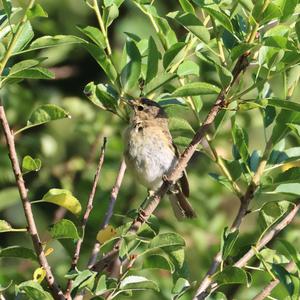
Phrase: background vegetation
x=191 y=43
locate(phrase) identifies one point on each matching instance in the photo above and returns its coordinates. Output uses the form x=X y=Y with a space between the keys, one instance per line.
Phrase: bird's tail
x=181 y=206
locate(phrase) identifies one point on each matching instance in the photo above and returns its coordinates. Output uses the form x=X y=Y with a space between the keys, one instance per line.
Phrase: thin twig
x=109 y=212
x=32 y=229
x=268 y=289
x=86 y=215
x=175 y=174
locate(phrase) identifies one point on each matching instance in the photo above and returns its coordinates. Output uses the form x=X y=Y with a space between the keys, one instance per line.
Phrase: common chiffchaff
x=150 y=153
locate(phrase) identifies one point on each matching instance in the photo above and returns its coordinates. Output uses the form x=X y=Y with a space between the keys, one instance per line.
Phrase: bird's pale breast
x=149 y=154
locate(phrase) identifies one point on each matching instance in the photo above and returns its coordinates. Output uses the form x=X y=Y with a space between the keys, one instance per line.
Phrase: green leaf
x=101 y=58
x=131 y=72
x=292 y=253
x=191 y=23
x=297 y=29
x=103 y=96
x=196 y=88
x=152 y=60
x=180 y=127
x=228 y=241
x=5 y=226
x=240 y=49
x=180 y=287
x=101 y=285
x=284 y=277
x=158 y=261
x=138 y=283
x=172 y=54
x=52 y=41
x=187 y=6
x=7 y=7
x=292 y=175
x=44 y=114
x=36 y=11
x=30 y=164
x=281 y=128
x=166 y=240
x=240 y=139
x=64 y=229
x=220 y=17
x=225 y=76
x=288 y=188
x=63 y=198
x=25 y=36
x=231 y=275
x=32 y=73
x=33 y=290
x=285 y=104
x=94 y=34
x=271 y=213
x=158 y=82
x=247 y=4
x=287 y=7
x=18 y=252
x=188 y=67
x=83 y=279
x=110 y=14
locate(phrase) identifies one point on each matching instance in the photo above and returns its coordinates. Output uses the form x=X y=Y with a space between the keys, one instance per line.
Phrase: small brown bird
x=151 y=153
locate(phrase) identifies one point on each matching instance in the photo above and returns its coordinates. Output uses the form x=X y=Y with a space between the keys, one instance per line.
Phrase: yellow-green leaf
x=63 y=198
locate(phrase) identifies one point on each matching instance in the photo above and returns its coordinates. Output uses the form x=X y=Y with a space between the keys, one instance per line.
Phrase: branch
x=264 y=241
x=85 y=217
x=268 y=289
x=32 y=229
x=109 y=212
x=175 y=174
x=202 y=290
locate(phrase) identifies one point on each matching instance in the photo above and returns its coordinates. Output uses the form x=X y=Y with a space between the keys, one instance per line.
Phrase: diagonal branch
x=268 y=289
x=109 y=212
x=264 y=241
x=32 y=229
x=185 y=157
x=85 y=217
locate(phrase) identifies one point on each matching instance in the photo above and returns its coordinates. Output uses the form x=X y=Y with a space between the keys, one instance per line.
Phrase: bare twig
x=85 y=217
x=268 y=289
x=174 y=174
x=32 y=229
x=109 y=212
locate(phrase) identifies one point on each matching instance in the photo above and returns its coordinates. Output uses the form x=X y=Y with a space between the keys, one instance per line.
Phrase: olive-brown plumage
x=150 y=153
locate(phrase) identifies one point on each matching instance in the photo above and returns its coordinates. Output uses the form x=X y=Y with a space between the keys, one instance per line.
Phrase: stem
x=96 y=9
x=85 y=217
x=113 y=198
x=32 y=229
x=15 y=38
x=219 y=43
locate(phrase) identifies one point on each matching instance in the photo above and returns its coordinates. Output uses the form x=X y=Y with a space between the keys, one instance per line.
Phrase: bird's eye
x=140 y=108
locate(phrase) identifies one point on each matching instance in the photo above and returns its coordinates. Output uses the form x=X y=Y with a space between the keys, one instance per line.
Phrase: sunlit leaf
x=106 y=234
x=231 y=275
x=196 y=88
x=31 y=164
x=33 y=290
x=138 y=283
x=63 y=198
x=94 y=34
x=152 y=60
x=36 y=11
x=44 y=114
x=167 y=239
x=39 y=274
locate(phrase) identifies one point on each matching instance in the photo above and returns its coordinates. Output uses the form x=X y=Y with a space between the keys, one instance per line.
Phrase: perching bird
x=150 y=153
